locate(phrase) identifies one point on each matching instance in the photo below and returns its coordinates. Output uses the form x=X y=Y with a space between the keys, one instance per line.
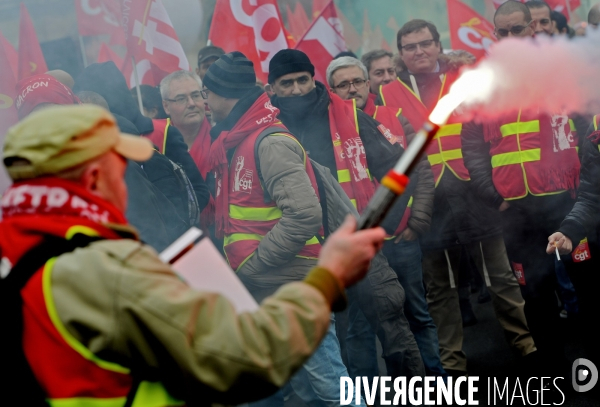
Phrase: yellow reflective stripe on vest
x=148 y=394
x=256 y=214
x=572 y=125
x=445 y=156
x=512 y=129
x=238 y=237
x=344 y=175
x=596 y=122
x=449 y=130
x=87 y=402
x=354 y=202
x=154 y=394
x=516 y=157
x=70 y=339
x=164 y=149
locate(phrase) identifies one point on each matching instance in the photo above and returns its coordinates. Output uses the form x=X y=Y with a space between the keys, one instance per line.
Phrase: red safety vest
x=250 y=217
x=517 y=156
x=158 y=137
x=67 y=371
x=389 y=118
x=445 y=151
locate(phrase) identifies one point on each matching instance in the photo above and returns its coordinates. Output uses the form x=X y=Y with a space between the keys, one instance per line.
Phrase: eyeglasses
x=423 y=44
x=358 y=84
x=204 y=93
x=514 y=30
x=183 y=99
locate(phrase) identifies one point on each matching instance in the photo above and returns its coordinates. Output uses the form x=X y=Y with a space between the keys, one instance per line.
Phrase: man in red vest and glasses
x=461 y=224
x=525 y=164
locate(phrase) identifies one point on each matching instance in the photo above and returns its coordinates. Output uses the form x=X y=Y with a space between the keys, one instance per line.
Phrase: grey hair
x=166 y=82
x=344 y=62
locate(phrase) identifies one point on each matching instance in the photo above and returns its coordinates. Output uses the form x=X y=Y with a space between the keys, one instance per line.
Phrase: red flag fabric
x=318 y=6
x=323 y=40
x=8 y=111
x=297 y=21
x=253 y=27
x=107 y=54
x=148 y=73
x=469 y=31
x=99 y=17
x=11 y=55
x=300 y=15
x=31 y=58
x=151 y=38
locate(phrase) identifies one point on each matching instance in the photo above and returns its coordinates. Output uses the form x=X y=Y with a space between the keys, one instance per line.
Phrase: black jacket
x=307 y=117
x=584 y=219
x=106 y=80
x=459 y=215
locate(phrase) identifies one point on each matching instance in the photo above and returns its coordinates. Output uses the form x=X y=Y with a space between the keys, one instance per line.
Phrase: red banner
x=254 y=28
x=106 y=54
x=469 y=31
x=151 y=38
x=323 y=40
x=10 y=54
x=8 y=111
x=100 y=17
x=297 y=21
x=31 y=58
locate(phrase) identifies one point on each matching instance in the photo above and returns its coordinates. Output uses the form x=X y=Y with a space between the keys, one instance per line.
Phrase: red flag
x=323 y=40
x=31 y=59
x=147 y=72
x=298 y=21
x=107 y=54
x=318 y=6
x=151 y=36
x=468 y=30
x=8 y=112
x=10 y=54
x=99 y=17
x=300 y=15
x=254 y=28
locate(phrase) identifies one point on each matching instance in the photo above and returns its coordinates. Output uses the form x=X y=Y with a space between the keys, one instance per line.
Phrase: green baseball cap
x=57 y=138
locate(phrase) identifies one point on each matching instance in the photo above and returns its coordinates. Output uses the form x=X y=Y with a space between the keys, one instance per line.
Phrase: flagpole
x=137 y=85
x=569 y=9
x=83 y=54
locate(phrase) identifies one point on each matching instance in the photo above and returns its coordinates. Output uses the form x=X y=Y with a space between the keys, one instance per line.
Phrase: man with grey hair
x=347 y=77
x=182 y=100
x=380 y=67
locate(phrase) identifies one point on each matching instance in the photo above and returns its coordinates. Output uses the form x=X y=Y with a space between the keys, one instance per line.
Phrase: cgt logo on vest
x=562 y=140
x=582 y=252
x=242 y=177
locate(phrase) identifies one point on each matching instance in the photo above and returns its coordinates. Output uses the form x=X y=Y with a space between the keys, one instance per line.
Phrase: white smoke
x=554 y=74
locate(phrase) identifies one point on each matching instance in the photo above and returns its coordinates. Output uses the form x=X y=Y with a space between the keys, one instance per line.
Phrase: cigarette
x=556 y=251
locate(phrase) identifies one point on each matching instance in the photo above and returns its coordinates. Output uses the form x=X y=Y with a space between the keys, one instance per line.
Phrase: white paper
x=204 y=269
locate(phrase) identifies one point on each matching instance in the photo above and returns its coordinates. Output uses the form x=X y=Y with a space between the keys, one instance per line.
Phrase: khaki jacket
x=122 y=303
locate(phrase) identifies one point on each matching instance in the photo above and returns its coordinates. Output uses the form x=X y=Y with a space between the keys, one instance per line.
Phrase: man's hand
x=504 y=206
x=558 y=241
x=347 y=253
x=408 y=234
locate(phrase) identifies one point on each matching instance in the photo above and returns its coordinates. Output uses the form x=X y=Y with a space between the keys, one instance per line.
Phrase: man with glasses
x=525 y=164
x=348 y=142
x=347 y=77
x=461 y=222
x=541 y=13
x=183 y=102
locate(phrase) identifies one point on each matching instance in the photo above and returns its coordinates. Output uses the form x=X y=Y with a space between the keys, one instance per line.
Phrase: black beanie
x=289 y=61
x=231 y=76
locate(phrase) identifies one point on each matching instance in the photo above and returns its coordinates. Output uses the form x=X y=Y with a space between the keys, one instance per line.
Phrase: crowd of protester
x=270 y=172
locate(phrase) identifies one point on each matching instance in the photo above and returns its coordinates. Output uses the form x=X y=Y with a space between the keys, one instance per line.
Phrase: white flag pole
x=83 y=54
x=137 y=85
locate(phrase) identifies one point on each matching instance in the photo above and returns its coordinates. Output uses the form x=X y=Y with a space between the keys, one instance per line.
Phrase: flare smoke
x=554 y=74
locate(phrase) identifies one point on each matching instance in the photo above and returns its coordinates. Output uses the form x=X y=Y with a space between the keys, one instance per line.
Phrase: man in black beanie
x=267 y=208
x=349 y=142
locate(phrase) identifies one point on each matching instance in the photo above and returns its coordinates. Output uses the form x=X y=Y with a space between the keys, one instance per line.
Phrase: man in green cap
x=91 y=316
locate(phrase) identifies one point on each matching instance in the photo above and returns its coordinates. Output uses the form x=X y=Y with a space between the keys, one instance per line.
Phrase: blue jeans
x=317 y=383
x=405 y=258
